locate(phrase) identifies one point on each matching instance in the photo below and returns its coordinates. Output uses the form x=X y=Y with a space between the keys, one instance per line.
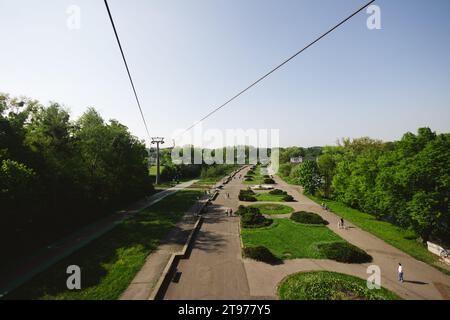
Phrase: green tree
x=307 y=175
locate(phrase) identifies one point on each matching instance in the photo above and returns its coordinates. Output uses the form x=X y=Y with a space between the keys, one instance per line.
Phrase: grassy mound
x=289 y=240
x=308 y=218
x=247 y=195
x=252 y=218
x=324 y=285
x=272 y=208
x=344 y=252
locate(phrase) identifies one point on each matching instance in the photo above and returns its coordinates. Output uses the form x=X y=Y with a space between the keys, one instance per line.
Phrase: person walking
x=342 y=223
x=231 y=212
x=400 y=272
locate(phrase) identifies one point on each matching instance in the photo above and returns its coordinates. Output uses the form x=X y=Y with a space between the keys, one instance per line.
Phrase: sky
x=189 y=56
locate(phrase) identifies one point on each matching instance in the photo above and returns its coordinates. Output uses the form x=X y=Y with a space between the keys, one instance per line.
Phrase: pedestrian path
x=214 y=269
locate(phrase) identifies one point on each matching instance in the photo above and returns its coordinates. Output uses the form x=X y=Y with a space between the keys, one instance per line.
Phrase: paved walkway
x=25 y=269
x=422 y=280
x=214 y=268
x=143 y=283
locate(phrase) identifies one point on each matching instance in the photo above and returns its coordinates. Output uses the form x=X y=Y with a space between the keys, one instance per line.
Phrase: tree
x=307 y=175
x=284 y=169
x=327 y=165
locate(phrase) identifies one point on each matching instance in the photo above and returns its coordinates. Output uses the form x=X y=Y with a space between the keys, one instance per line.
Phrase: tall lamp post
x=157 y=141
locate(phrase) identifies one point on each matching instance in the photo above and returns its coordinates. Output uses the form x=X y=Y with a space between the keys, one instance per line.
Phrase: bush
x=288 y=198
x=243 y=209
x=344 y=252
x=269 y=181
x=308 y=218
x=252 y=218
x=247 y=195
x=277 y=192
x=261 y=253
x=248 y=179
x=266 y=176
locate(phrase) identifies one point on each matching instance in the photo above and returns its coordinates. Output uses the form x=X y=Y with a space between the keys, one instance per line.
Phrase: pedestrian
x=231 y=212
x=342 y=223
x=400 y=272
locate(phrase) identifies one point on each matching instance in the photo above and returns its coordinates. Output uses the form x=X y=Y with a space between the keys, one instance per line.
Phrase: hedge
x=308 y=218
x=344 y=252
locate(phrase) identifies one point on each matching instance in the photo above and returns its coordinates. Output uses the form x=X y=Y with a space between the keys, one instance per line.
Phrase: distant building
x=301 y=159
x=296 y=159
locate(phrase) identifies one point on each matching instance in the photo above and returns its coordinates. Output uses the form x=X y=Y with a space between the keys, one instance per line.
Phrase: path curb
x=167 y=275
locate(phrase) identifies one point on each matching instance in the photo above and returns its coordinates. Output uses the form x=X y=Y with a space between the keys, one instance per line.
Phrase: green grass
x=289 y=240
x=269 y=197
x=109 y=264
x=403 y=239
x=206 y=181
x=325 y=285
x=273 y=208
x=257 y=177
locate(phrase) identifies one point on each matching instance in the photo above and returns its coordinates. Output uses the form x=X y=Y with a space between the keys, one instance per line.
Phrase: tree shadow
x=415 y=282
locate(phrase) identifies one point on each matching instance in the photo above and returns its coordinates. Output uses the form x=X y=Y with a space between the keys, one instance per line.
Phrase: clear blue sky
x=189 y=56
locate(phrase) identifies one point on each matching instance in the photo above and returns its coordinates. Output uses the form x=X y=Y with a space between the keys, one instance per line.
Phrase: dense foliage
x=252 y=218
x=57 y=174
x=247 y=195
x=406 y=182
x=343 y=252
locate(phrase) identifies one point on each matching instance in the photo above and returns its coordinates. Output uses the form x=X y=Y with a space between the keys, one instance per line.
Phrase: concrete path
x=24 y=270
x=143 y=283
x=214 y=268
x=422 y=280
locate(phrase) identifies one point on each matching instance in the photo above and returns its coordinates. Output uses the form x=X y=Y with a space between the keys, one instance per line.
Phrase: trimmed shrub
x=277 y=192
x=269 y=181
x=243 y=209
x=261 y=253
x=308 y=218
x=248 y=179
x=288 y=198
x=252 y=218
x=344 y=252
x=247 y=195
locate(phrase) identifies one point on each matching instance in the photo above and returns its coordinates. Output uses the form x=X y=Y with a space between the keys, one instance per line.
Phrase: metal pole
x=157 y=163
x=157 y=141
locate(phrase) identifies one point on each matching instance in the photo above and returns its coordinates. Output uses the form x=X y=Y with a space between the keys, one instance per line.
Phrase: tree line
x=57 y=174
x=406 y=182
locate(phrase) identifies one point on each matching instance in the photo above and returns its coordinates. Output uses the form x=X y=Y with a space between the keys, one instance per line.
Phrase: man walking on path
x=400 y=272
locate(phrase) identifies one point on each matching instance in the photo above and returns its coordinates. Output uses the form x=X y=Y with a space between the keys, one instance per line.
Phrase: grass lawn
x=213 y=180
x=273 y=208
x=269 y=197
x=289 y=240
x=325 y=285
x=109 y=263
x=257 y=177
x=405 y=240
